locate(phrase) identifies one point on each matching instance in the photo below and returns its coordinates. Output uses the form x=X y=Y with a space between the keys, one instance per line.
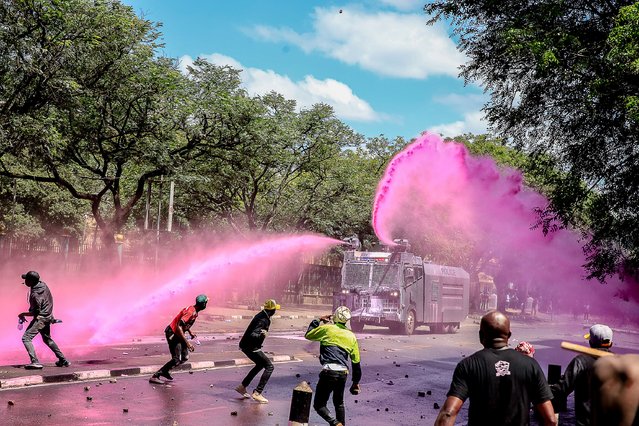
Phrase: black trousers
x=179 y=351
x=261 y=362
x=331 y=382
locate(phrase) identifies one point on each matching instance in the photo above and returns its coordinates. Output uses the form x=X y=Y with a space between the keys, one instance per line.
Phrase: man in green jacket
x=337 y=344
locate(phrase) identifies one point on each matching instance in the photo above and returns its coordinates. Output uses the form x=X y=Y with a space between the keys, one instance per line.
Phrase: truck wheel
x=409 y=326
x=357 y=326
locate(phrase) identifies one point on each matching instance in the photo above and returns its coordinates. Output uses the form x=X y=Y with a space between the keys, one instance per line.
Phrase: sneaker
x=259 y=398
x=242 y=391
x=34 y=366
x=156 y=380
x=165 y=374
x=62 y=363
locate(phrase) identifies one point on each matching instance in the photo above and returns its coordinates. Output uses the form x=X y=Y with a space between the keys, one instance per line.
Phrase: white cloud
x=473 y=122
x=306 y=92
x=386 y=43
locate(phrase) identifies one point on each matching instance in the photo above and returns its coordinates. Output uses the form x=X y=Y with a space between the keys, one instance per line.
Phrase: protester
x=615 y=391
x=41 y=309
x=526 y=349
x=337 y=344
x=251 y=344
x=578 y=374
x=175 y=333
x=500 y=383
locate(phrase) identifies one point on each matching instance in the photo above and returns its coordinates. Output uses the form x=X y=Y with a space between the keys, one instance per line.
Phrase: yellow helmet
x=270 y=304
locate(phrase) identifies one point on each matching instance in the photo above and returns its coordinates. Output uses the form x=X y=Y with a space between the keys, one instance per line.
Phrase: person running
x=251 y=345
x=337 y=344
x=175 y=333
x=41 y=309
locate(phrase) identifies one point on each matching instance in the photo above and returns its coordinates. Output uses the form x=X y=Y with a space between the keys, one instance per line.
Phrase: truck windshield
x=391 y=278
x=358 y=275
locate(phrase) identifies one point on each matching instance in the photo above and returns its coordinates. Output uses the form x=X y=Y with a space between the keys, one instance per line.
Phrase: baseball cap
x=31 y=276
x=270 y=304
x=600 y=336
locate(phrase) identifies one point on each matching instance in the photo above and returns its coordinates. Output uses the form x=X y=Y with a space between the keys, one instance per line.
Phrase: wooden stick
x=584 y=349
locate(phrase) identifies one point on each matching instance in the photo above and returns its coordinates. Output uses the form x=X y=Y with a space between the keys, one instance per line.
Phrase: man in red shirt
x=176 y=338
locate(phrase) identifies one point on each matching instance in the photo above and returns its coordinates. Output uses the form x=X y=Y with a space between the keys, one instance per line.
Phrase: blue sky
x=376 y=62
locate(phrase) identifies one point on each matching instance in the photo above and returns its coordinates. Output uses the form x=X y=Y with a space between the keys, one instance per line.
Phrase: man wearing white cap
x=251 y=344
x=578 y=374
x=337 y=345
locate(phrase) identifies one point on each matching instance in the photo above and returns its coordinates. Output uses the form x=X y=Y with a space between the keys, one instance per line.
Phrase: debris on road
x=125 y=410
x=436 y=406
x=233 y=413
x=10 y=402
x=86 y=388
x=421 y=393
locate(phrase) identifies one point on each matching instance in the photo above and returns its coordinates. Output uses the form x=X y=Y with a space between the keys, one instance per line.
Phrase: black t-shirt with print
x=501 y=384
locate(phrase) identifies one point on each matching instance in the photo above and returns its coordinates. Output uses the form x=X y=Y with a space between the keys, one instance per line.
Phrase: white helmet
x=342 y=314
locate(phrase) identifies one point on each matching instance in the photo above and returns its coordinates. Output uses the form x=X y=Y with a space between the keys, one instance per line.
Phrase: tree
x=272 y=179
x=562 y=83
x=90 y=108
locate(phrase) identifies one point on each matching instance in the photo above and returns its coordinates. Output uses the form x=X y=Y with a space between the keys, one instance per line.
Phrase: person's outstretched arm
x=449 y=411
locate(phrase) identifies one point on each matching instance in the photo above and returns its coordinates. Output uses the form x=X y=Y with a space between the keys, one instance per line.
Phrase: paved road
x=396 y=369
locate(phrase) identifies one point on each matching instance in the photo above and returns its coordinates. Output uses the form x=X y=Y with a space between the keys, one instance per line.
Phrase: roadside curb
x=88 y=375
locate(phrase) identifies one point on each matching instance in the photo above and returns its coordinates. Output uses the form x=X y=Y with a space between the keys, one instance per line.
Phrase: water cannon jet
x=400 y=245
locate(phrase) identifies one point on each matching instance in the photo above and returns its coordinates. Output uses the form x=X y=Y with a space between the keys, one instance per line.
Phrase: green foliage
x=562 y=79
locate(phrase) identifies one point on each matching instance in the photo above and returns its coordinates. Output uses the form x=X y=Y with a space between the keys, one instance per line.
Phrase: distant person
x=337 y=345
x=251 y=344
x=483 y=305
x=615 y=391
x=500 y=383
x=175 y=333
x=41 y=309
x=578 y=374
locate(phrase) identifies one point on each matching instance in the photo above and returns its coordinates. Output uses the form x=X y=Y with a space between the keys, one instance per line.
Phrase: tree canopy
x=562 y=80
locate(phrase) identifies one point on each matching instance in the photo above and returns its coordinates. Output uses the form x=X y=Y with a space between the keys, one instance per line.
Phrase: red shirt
x=187 y=316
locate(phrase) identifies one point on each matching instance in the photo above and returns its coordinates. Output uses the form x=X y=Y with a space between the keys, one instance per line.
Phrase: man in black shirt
x=578 y=374
x=41 y=309
x=251 y=344
x=500 y=382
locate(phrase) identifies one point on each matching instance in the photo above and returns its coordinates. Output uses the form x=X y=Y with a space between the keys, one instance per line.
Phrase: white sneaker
x=259 y=398
x=242 y=391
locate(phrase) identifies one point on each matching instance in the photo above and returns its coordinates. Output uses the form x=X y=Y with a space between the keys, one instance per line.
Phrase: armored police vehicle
x=397 y=289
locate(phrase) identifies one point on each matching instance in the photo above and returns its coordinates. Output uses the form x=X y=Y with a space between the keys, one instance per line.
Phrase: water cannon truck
x=394 y=288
